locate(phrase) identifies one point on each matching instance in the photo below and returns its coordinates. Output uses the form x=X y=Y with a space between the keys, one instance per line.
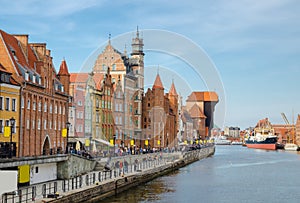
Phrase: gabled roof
x=157 y=83
x=196 y=112
x=78 y=77
x=203 y=96
x=63 y=69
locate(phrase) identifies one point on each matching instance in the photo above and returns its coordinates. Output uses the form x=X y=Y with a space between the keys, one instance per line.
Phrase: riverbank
x=118 y=182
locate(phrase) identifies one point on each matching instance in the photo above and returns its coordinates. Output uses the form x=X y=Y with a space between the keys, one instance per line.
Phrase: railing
x=39 y=191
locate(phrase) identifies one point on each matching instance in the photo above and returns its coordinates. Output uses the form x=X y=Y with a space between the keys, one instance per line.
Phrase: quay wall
x=98 y=191
x=74 y=166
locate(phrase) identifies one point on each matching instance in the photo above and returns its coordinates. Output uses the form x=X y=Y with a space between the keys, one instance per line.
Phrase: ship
x=262 y=137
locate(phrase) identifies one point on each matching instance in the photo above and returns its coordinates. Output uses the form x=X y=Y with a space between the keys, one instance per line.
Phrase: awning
x=103 y=142
x=75 y=139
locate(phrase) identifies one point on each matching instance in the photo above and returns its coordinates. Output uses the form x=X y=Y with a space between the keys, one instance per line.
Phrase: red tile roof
x=157 y=83
x=63 y=69
x=83 y=77
x=203 y=96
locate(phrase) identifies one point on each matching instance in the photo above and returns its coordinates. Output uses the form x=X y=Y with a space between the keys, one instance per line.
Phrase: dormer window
x=62 y=88
x=33 y=79
x=26 y=76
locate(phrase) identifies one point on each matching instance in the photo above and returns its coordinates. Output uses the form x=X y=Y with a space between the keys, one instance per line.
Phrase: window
x=54 y=124
x=7 y=104
x=27 y=124
x=34 y=105
x=114 y=66
x=50 y=108
x=33 y=124
x=59 y=109
x=45 y=124
x=28 y=104
x=64 y=110
x=45 y=107
x=1 y=103
x=40 y=106
x=36 y=169
x=1 y=126
x=50 y=124
x=55 y=109
x=26 y=76
x=39 y=124
x=120 y=107
x=79 y=103
x=59 y=124
x=33 y=78
x=13 y=127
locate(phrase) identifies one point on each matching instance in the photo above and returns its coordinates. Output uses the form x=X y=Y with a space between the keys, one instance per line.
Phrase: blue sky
x=254 y=44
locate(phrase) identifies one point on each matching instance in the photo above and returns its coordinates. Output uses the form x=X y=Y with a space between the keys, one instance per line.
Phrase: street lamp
x=12 y=124
x=114 y=145
x=68 y=124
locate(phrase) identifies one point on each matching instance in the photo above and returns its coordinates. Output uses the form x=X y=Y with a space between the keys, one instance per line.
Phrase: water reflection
x=234 y=174
x=148 y=192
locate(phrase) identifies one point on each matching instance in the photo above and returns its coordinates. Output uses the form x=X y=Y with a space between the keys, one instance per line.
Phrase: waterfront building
x=187 y=121
x=284 y=132
x=298 y=130
x=43 y=94
x=118 y=113
x=9 y=108
x=203 y=103
x=159 y=119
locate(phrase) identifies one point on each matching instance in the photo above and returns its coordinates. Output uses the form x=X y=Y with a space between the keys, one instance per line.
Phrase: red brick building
x=159 y=116
x=44 y=94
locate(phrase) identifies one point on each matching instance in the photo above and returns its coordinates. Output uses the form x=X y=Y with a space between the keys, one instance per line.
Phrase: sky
x=253 y=46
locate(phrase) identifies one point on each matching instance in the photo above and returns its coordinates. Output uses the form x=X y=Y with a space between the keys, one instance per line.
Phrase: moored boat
x=263 y=136
x=291 y=147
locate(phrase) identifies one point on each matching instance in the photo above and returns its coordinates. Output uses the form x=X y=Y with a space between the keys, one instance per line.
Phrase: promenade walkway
x=120 y=166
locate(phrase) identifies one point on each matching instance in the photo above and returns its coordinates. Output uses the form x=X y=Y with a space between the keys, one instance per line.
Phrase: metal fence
x=54 y=188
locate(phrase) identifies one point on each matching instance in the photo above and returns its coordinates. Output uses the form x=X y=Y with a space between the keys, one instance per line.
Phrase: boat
x=263 y=136
x=221 y=140
x=291 y=147
x=236 y=143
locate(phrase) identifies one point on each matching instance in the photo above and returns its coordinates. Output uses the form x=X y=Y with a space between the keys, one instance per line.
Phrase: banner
x=87 y=142
x=7 y=131
x=64 y=132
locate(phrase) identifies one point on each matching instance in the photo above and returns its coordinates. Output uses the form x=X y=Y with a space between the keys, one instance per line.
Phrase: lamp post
x=12 y=124
x=68 y=124
x=114 y=145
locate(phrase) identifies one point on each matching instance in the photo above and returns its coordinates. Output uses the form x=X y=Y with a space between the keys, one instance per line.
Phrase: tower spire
x=137 y=32
x=109 y=37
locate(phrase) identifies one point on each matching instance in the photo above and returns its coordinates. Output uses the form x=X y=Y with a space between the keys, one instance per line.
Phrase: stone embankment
x=139 y=169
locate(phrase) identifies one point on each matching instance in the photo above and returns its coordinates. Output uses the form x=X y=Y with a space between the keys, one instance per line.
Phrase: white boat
x=221 y=140
x=291 y=147
x=236 y=143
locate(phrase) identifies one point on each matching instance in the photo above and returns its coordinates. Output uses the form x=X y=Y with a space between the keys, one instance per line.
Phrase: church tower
x=64 y=76
x=136 y=63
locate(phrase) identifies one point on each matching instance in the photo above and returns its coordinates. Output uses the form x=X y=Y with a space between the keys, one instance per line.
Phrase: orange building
x=201 y=106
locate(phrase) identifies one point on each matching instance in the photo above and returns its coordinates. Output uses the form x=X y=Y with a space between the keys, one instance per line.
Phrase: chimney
x=23 y=39
x=40 y=49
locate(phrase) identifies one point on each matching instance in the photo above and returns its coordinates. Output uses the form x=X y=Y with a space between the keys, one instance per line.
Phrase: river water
x=234 y=174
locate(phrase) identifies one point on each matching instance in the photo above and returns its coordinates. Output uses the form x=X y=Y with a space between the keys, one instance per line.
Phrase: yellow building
x=9 y=109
